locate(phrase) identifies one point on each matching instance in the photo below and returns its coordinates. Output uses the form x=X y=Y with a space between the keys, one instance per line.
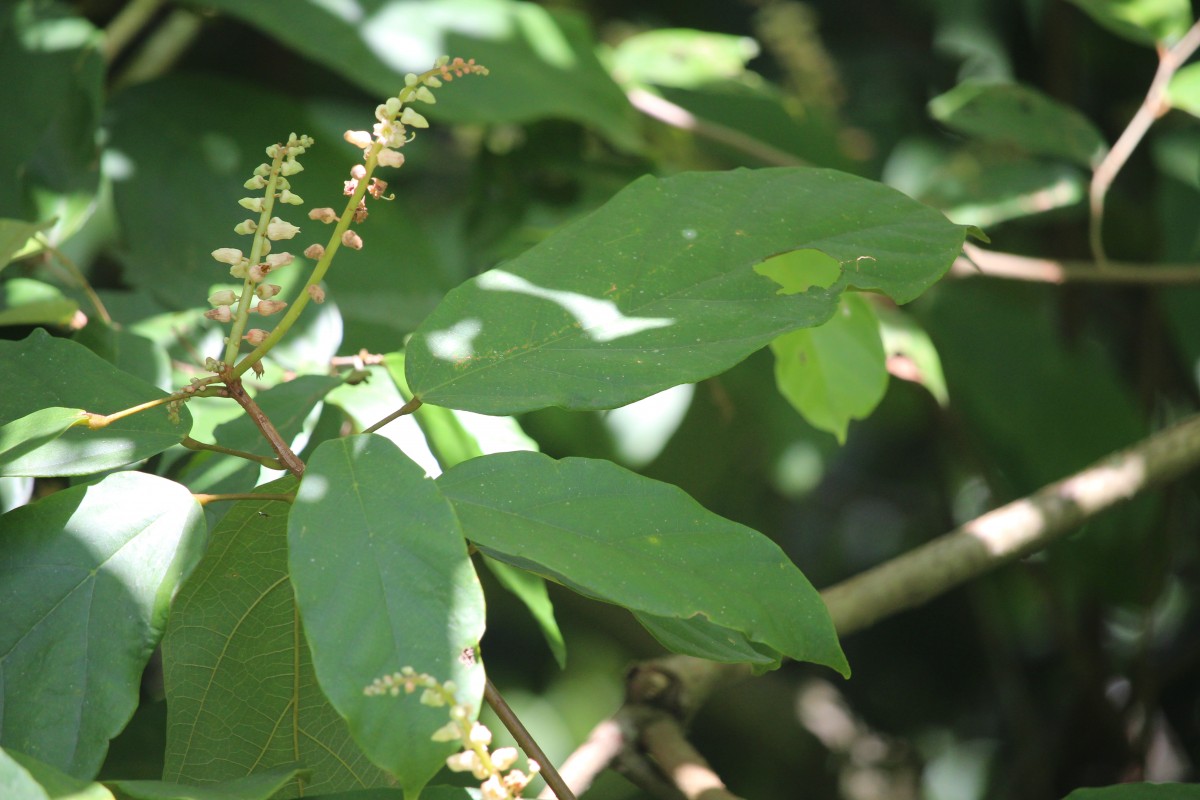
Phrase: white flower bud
x=410 y=117
x=425 y=96
x=278 y=229
x=220 y=314
x=442 y=61
x=504 y=757
x=227 y=255
x=480 y=734
x=265 y=247
x=314 y=251
x=246 y=226
x=279 y=260
x=390 y=158
x=358 y=172
x=318 y=296
x=466 y=761
x=239 y=270
x=326 y=215
x=269 y=307
x=433 y=83
x=393 y=104
x=251 y=203
x=516 y=781
x=411 y=79
x=266 y=291
x=225 y=297
x=352 y=240
x=262 y=170
x=360 y=139
x=493 y=789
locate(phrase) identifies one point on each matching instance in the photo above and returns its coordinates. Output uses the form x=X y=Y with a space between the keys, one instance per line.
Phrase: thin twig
x=1153 y=106
x=162 y=49
x=977 y=261
x=204 y=499
x=266 y=461
x=289 y=459
x=404 y=410
x=126 y=25
x=77 y=275
x=677 y=116
x=526 y=741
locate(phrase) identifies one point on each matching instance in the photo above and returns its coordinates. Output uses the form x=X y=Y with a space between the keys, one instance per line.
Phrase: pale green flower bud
x=225 y=297
x=239 y=270
x=291 y=167
x=227 y=255
x=410 y=117
x=433 y=83
x=246 y=226
x=257 y=182
x=447 y=733
x=272 y=151
x=278 y=229
x=262 y=170
x=290 y=199
x=410 y=79
x=425 y=96
x=442 y=61
x=431 y=697
x=282 y=183
x=393 y=104
x=251 y=203
x=266 y=246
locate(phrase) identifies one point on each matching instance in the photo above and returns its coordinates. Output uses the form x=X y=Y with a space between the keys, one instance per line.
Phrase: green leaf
x=33 y=302
x=1183 y=92
x=1020 y=116
x=242 y=698
x=682 y=57
x=23 y=777
x=15 y=235
x=700 y=638
x=905 y=339
x=55 y=372
x=1139 y=791
x=1148 y=22
x=618 y=537
x=370 y=540
x=85 y=583
x=657 y=288
x=834 y=373
x=542 y=62
x=530 y=589
x=32 y=431
x=259 y=786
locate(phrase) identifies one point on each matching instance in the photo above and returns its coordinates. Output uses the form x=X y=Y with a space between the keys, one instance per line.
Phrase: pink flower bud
x=269 y=307
x=220 y=314
x=358 y=172
x=255 y=336
x=326 y=215
x=317 y=294
x=314 y=251
x=352 y=240
x=257 y=272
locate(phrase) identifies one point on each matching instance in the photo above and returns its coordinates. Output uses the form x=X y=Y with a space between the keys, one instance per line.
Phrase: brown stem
x=289 y=459
x=977 y=261
x=526 y=741
x=663 y=738
x=1153 y=106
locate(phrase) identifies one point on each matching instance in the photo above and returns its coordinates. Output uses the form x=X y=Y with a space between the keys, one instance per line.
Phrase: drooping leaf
x=23 y=777
x=1148 y=22
x=1020 y=116
x=543 y=61
x=1183 y=92
x=906 y=340
x=657 y=288
x=32 y=431
x=242 y=698
x=49 y=165
x=58 y=372
x=15 y=234
x=618 y=537
x=259 y=786
x=85 y=583
x=383 y=581
x=836 y=372
x=530 y=589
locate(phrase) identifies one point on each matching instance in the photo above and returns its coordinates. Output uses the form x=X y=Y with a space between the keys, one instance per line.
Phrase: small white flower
x=467 y=761
x=493 y=789
x=480 y=735
x=504 y=757
x=278 y=229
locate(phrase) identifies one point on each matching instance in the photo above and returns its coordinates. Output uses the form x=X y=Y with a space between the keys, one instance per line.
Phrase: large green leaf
x=542 y=61
x=32 y=431
x=259 y=786
x=1148 y=22
x=616 y=536
x=85 y=582
x=657 y=288
x=1020 y=116
x=48 y=372
x=383 y=581
x=836 y=372
x=242 y=697
x=23 y=777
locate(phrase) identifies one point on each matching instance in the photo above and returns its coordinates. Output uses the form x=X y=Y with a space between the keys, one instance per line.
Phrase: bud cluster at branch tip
x=493 y=768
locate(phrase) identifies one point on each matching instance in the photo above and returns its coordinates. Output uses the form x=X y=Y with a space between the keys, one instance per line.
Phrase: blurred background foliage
x=1079 y=666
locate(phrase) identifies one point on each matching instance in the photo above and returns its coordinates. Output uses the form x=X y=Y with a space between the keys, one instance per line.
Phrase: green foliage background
x=1074 y=668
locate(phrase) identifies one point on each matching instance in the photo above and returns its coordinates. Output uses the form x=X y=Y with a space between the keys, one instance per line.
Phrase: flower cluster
x=254 y=268
x=493 y=768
